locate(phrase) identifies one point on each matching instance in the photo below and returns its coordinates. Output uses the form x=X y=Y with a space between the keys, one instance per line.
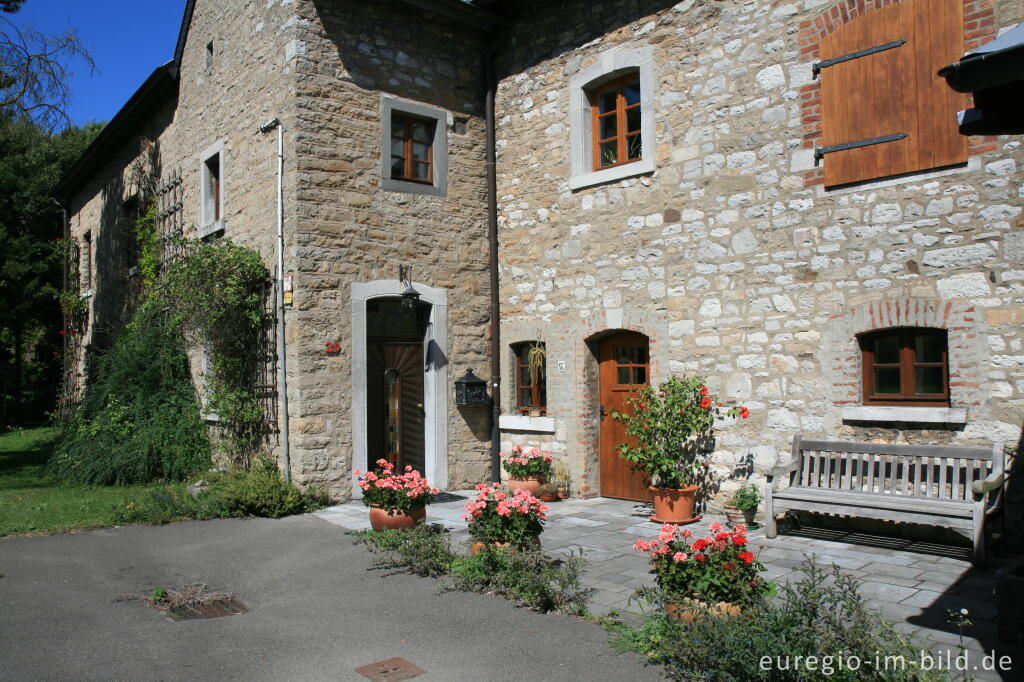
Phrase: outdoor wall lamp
x=410 y=297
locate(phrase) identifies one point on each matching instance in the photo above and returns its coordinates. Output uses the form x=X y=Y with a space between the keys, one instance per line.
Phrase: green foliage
x=167 y=504
x=31 y=257
x=422 y=549
x=149 y=247
x=747 y=497
x=529 y=577
x=159 y=593
x=822 y=614
x=139 y=418
x=261 y=491
x=663 y=428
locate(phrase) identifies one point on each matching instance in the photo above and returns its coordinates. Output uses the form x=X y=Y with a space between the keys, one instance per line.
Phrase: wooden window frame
x=621 y=134
x=404 y=121
x=538 y=392
x=907 y=364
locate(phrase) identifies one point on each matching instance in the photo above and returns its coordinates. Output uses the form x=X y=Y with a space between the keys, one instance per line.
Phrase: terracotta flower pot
x=691 y=610
x=531 y=484
x=733 y=514
x=380 y=519
x=674 y=505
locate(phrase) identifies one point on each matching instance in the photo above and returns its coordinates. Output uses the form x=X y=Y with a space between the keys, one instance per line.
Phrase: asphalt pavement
x=318 y=610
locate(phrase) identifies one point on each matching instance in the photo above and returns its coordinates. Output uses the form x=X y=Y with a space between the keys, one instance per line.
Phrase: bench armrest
x=783 y=469
x=989 y=483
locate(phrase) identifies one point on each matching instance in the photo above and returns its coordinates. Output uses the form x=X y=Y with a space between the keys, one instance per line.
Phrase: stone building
x=770 y=193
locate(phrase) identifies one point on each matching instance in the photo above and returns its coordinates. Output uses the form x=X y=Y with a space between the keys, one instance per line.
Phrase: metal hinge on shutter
x=820 y=152
x=818 y=66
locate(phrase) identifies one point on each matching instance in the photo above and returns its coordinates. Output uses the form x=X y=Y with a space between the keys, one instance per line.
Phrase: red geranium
x=705 y=403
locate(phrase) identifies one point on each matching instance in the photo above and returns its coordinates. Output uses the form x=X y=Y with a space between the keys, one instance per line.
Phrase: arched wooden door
x=395 y=416
x=624 y=367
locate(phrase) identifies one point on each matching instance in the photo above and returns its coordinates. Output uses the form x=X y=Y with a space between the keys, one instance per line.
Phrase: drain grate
x=390 y=670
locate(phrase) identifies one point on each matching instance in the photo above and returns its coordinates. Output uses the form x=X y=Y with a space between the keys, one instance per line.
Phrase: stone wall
x=731 y=256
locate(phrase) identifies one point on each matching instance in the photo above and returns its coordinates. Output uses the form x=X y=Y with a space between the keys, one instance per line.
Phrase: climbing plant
x=139 y=419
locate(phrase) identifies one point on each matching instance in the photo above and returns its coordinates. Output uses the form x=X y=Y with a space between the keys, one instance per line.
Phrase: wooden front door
x=394 y=402
x=625 y=367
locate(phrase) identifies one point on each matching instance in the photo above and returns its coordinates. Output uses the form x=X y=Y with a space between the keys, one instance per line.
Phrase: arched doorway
x=624 y=367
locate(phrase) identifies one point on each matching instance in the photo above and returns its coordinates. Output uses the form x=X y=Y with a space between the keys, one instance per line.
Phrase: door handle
x=603 y=412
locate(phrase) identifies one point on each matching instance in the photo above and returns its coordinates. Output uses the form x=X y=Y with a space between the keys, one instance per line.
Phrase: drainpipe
x=492 y=238
x=282 y=358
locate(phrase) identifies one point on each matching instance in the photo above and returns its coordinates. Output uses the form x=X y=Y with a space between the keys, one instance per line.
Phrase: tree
x=11 y=5
x=34 y=71
x=30 y=265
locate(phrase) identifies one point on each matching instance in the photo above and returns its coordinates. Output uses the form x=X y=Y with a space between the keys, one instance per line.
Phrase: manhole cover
x=390 y=670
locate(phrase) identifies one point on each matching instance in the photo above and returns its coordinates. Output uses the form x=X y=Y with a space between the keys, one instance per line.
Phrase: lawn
x=32 y=502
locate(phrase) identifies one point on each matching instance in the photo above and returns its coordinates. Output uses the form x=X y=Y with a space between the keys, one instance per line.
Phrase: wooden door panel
x=407 y=361
x=624 y=367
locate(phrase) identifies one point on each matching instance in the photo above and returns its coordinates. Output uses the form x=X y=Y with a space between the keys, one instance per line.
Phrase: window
x=414 y=146
x=906 y=366
x=87 y=263
x=611 y=118
x=616 y=111
x=212 y=190
x=531 y=384
x=885 y=111
x=411 y=153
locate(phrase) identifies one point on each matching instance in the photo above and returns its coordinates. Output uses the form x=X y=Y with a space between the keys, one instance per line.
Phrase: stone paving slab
x=912 y=589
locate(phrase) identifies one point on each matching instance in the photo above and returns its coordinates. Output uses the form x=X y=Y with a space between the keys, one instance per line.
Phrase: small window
x=905 y=366
x=87 y=262
x=212 y=190
x=411 y=148
x=531 y=383
x=414 y=148
x=615 y=109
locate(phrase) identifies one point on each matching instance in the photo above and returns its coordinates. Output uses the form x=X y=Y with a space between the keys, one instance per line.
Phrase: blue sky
x=126 y=38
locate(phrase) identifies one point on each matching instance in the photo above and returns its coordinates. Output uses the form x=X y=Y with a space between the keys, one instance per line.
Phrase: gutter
x=492 y=239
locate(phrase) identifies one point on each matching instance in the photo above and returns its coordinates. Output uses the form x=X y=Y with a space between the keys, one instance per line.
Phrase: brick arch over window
x=978 y=27
x=968 y=351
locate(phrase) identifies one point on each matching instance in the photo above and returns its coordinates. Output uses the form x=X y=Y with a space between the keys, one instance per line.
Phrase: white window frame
x=609 y=66
x=207 y=224
x=439 y=146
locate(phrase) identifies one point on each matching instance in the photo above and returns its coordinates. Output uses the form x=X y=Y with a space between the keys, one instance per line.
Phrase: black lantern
x=470 y=390
x=410 y=297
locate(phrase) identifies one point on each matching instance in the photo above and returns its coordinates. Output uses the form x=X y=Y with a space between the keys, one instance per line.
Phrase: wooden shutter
x=893 y=91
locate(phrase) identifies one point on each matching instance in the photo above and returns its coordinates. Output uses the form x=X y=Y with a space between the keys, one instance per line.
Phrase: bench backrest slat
x=935 y=472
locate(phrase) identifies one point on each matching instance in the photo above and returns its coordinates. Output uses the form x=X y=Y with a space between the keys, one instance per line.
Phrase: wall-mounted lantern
x=410 y=297
x=470 y=390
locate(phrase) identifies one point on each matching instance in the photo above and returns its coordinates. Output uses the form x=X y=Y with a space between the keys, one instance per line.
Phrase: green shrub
x=531 y=578
x=261 y=491
x=822 y=614
x=139 y=418
x=422 y=550
x=168 y=504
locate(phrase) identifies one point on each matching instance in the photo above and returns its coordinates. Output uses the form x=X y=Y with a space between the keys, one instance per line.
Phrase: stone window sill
x=626 y=170
x=211 y=228
x=927 y=415
x=516 y=422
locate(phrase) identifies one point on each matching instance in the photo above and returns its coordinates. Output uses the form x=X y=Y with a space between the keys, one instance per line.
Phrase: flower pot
x=748 y=517
x=549 y=497
x=674 y=505
x=531 y=484
x=692 y=611
x=380 y=519
x=734 y=515
x=563 y=493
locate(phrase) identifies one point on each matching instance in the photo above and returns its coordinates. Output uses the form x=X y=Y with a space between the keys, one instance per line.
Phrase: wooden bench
x=932 y=485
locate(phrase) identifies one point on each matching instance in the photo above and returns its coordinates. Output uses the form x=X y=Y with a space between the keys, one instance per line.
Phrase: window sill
x=86 y=294
x=211 y=417
x=518 y=422
x=926 y=415
x=410 y=187
x=626 y=170
x=212 y=228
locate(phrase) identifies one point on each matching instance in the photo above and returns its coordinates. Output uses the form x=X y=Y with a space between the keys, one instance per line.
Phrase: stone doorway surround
x=435 y=376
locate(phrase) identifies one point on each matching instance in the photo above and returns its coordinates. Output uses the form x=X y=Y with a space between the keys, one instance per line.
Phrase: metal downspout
x=282 y=357
x=492 y=238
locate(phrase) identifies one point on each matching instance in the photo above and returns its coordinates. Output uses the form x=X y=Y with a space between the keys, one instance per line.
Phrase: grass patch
x=33 y=502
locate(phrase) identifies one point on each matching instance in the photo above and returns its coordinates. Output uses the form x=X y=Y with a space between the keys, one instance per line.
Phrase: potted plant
x=548 y=492
x=561 y=479
x=499 y=519
x=743 y=504
x=670 y=429
x=715 y=573
x=527 y=469
x=395 y=500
